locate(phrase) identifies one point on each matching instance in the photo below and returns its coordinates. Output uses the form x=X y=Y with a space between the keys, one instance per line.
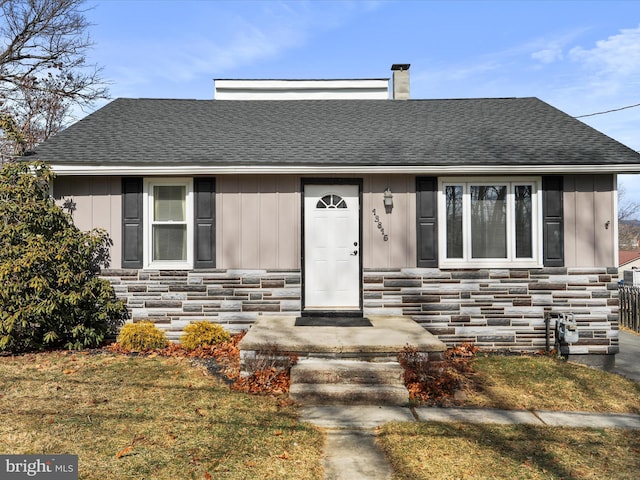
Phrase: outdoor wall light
x=69 y=205
x=388 y=200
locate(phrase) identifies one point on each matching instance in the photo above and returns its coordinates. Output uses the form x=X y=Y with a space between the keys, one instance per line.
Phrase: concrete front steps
x=340 y=365
x=321 y=381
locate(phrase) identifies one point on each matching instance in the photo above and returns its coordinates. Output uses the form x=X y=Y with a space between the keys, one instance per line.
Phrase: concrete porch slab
x=388 y=335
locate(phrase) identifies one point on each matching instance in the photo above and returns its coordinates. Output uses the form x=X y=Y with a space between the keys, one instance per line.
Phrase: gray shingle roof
x=473 y=132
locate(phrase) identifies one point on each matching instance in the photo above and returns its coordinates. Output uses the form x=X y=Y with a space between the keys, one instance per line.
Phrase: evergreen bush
x=203 y=334
x=142 y=337
x=51 y=295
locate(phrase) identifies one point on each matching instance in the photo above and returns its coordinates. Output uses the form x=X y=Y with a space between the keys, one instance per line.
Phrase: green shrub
x=51 y=295
x=141 y=337
x=203 y=334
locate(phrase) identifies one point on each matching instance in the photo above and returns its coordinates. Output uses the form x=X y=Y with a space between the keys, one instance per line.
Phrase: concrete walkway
x=628 y=360
x=369 y=417
x=364 y=460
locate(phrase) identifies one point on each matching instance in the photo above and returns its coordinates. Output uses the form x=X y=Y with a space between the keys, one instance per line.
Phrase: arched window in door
x=331 y=201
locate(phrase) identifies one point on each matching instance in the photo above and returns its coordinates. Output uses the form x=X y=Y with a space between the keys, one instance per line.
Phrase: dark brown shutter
x=205 y=222
x=553 y=223
x=132 y=223
x=427 y=221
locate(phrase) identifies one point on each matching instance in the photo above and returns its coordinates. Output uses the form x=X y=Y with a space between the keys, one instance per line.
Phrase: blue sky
x=582 y=57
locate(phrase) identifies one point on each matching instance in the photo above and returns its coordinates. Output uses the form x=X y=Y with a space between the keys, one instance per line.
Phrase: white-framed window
x=490 y=222
x=168 y=220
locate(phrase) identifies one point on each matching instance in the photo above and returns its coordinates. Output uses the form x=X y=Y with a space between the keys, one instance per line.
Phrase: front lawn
x=160 y=417
x=454 y=451
x=149 y=417
x=547 y=383
x=426 y=451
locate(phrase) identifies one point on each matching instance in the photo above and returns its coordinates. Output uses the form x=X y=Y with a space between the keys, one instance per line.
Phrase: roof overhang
x=176 y=170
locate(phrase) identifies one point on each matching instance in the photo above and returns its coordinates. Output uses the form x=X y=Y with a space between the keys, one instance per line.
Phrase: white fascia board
x=150 y=170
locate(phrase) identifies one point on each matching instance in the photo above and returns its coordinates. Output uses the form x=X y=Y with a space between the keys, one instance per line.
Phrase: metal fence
x=630 y=307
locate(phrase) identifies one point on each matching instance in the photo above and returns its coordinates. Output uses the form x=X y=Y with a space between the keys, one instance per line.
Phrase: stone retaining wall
x=498 y=309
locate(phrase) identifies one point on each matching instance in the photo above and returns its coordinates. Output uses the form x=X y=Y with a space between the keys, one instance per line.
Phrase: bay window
x=490 y=222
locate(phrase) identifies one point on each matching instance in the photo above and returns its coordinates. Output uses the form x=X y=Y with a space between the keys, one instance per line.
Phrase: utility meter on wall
x=567 y=329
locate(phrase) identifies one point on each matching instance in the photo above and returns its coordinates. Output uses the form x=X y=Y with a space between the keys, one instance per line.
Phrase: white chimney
x=400 y=81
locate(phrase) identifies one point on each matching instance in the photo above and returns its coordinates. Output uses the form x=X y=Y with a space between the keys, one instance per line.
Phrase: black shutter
x=205 y=222
x=427 y=221
x=132 y=227
x=553 y=223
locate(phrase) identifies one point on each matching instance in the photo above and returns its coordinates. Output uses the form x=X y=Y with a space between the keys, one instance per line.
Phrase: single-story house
x=475 y=217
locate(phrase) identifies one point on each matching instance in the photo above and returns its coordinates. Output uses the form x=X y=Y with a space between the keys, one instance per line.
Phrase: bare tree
x=628 y=230
x=43 y=68
x=626 y=208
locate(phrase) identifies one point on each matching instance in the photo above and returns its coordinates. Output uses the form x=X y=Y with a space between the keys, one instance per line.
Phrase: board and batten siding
x=98 y=205
x=258 y=222
x=399 y=226
x=589 y=219
x=258 y=219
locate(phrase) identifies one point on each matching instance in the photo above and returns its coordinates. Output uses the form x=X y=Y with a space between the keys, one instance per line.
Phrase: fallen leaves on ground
x=269 y=380
x=129 y=449
x=124 y=451
x=435 y=382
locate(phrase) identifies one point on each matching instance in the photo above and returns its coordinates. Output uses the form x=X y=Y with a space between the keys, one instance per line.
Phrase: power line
x=608 y=111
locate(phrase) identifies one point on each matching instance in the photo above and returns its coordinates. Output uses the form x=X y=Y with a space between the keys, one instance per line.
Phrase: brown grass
x=462 y=451
x=151 y=416
x=547 y=383
x=135 y=417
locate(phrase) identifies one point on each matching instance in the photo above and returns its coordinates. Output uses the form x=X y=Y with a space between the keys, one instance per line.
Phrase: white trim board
x=438 y=170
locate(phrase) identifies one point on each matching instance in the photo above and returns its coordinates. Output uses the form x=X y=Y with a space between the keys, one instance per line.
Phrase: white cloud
x=501 y=64
x=607 y=77
x=227 y=47
x=612 y=67
x=237 y=35
x=495 y=73
x=550 y=49
x=618 y=55
x=249 y=43
x=550 y=54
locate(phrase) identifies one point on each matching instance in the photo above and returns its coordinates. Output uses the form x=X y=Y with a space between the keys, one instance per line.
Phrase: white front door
x=331 y=247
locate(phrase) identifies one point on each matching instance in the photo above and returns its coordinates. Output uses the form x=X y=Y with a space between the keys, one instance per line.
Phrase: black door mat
x=333 y=322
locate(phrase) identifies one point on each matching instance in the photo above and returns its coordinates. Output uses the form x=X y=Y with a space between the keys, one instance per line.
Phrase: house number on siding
x=376 y=220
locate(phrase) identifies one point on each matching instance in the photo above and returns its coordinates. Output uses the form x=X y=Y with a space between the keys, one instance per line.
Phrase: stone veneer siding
x=497 y=309
x=501 y=309
x=234 y=298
